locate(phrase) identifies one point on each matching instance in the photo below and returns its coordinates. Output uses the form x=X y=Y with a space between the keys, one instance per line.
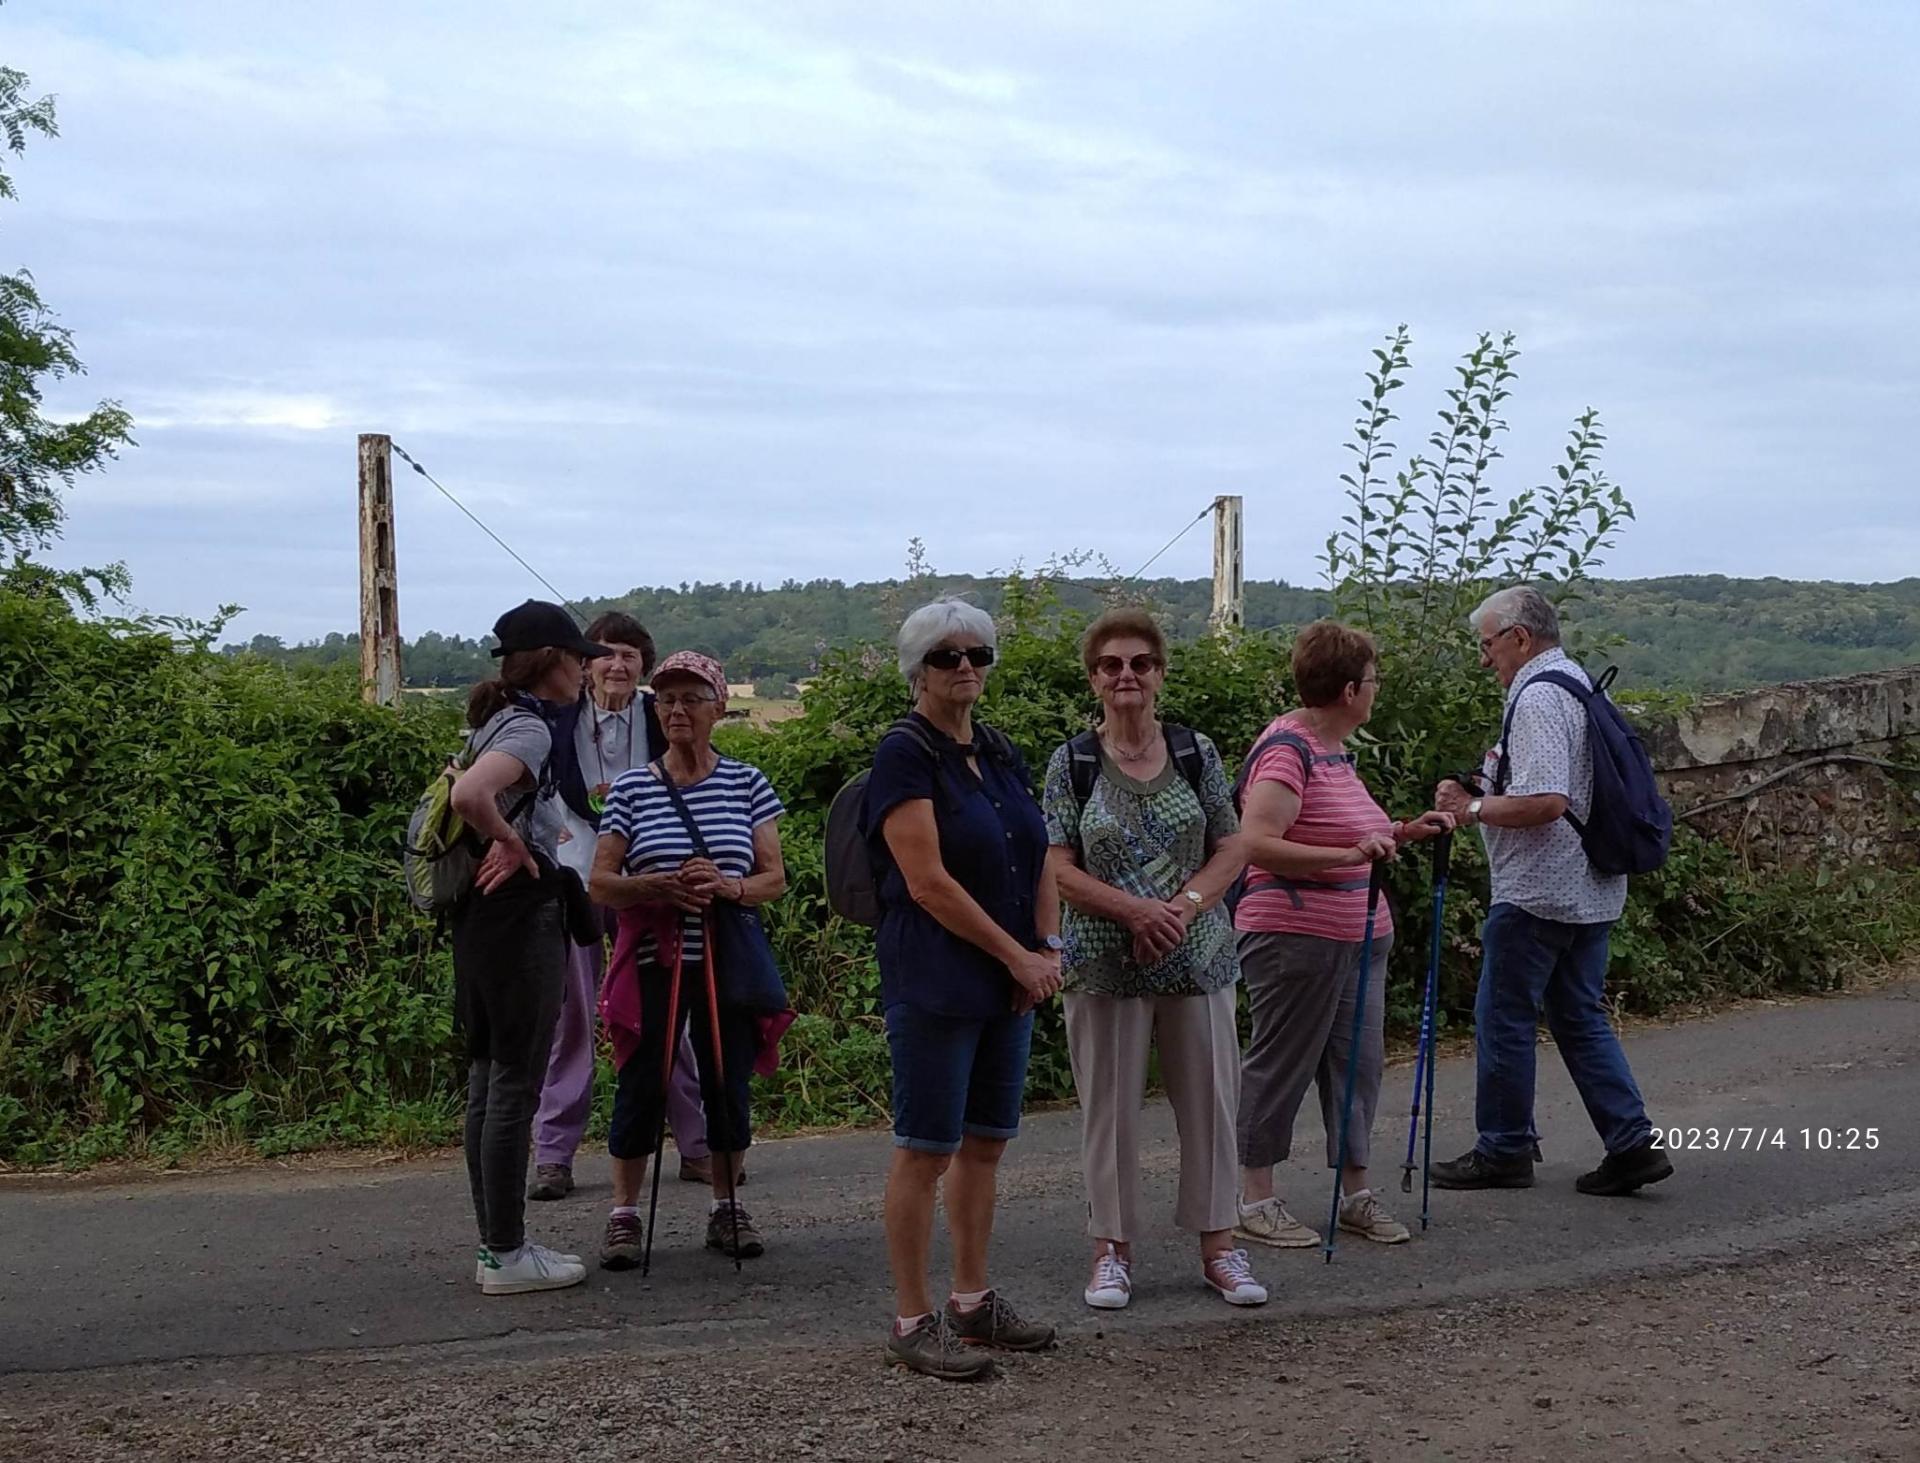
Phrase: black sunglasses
x=946 y=658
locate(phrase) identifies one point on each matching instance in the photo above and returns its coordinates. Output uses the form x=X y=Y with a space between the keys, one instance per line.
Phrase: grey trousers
x=1301 y=989
x=513 y=987
x=1108 y=1040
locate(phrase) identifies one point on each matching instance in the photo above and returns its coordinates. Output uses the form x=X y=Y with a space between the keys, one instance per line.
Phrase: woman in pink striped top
x=1312 y=832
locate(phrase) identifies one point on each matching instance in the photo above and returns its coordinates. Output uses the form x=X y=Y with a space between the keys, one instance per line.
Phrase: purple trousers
x=566 y=1097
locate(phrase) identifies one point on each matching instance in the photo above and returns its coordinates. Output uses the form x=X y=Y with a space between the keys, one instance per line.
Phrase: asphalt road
x=279 y=1261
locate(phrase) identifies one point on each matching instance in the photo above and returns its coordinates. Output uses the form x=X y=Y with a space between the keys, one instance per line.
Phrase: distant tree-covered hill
x=1691 y=632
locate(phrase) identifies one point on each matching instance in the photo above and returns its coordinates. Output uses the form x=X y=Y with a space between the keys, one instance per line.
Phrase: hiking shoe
x=932 y=1349
x=535 y=1268
x=1361 y=1214
x=1477 y=1170
x=480 y=1262
x=1622 y=1173
x=1229 y=1273
x=1268 y=1223
x=995 y=1323
x=1112 y=1284
x=621 y=1247
x=730 y=1231
x=551 y=1181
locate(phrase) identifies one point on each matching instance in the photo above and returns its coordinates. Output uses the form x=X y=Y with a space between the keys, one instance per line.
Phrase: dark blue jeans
x=1530 y=964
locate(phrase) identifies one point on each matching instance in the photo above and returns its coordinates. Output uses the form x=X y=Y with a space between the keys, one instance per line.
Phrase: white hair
x=1518 y=605
x=931 y=624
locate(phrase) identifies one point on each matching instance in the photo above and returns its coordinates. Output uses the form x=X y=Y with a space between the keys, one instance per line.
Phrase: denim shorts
x=954 y=1076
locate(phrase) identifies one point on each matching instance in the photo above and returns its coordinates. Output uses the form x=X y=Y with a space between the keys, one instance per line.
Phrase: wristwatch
x=1053 y=943
x=1194 y=897
x=1473 y=810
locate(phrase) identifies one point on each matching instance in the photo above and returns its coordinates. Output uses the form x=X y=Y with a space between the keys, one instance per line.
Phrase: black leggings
x=640 y=1097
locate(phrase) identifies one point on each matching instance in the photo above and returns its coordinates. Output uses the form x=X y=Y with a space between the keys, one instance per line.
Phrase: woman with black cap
x=510 y=932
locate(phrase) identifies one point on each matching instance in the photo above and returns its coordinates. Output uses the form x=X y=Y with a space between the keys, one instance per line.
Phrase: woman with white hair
x=968 y=943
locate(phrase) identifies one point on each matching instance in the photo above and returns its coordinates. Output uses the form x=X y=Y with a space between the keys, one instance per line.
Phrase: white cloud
x=782 y=287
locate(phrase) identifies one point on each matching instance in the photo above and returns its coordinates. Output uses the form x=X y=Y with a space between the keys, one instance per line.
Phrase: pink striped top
x=1336 y=811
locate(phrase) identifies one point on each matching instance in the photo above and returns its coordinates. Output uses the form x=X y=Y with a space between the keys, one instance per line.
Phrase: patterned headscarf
x=702 y=668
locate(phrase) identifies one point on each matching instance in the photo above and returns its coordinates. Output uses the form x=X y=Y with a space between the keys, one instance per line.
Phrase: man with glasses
x=1545 y=941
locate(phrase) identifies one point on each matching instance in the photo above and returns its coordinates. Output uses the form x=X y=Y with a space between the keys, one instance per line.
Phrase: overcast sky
x=713 y=291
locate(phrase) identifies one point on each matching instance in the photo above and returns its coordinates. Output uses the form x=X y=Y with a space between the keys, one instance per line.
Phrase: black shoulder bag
x=745 y=974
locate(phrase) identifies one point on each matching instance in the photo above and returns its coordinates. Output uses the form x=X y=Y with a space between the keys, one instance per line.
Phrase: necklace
x=1129 y=754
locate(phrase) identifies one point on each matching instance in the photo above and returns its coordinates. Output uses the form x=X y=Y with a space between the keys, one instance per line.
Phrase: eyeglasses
x=689 y=700
x=1486 y=641
x=947 y=658
x=1112 y=665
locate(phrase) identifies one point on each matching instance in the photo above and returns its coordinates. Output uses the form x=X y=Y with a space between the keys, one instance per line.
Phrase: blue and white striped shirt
x=727 y=805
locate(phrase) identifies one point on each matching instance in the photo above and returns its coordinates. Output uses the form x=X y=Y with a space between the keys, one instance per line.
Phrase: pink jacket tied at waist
x=620 y=990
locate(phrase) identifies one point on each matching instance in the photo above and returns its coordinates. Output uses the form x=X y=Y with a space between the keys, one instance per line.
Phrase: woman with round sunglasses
x=968 y=945
x=1147 y=843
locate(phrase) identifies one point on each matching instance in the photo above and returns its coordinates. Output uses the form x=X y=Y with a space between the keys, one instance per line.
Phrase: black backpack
x=853 y=883
x=1183 y=748
x=1629 y=827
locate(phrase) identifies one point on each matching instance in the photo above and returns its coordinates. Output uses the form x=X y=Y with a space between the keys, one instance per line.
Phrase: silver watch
x=1053 y=943
x=1473 y=810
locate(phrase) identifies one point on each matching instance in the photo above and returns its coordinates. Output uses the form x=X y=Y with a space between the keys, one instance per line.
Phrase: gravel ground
x=1811 y=1356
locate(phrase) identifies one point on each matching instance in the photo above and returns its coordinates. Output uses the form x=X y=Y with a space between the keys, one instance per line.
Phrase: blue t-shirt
x=993 y=841
x=726 y=805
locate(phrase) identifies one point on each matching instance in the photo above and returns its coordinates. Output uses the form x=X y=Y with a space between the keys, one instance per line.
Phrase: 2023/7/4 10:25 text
x=1752 y=1140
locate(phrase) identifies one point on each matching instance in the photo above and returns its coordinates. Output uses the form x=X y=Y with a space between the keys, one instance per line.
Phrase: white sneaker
x=1112 y=1285
x=1232 y=1276
x=1361 y=1214
x=1268 y=1223
x=480 y=1261
x=534 y=1268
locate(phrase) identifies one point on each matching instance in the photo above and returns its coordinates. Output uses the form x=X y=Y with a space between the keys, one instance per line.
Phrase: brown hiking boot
x=995 y=1323
x=730 y=1231
x=621 y=1249
x=551 y=1181
x=932 y=1350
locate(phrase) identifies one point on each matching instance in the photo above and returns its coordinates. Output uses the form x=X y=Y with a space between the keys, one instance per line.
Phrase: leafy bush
x=200 y=926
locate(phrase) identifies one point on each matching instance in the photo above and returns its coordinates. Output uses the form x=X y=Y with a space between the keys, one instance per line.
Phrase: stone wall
x=1820 y=738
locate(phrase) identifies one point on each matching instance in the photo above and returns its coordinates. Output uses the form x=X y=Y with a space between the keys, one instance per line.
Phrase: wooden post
x=379 y=580
x=1229 y=583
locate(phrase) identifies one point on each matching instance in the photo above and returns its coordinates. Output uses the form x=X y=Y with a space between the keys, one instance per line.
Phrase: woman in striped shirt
x=1312 y=831
x=647 y=864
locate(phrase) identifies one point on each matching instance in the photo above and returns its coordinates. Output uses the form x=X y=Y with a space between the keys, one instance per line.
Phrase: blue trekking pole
x=1424 y=1059
x=1375 y=879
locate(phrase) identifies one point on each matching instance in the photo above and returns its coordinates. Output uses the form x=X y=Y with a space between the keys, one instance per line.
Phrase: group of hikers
x=1140 y=885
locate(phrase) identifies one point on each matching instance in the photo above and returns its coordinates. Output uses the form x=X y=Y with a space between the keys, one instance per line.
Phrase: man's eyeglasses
x=1486 y=641
x=690 y=699
x=946 y=658
x=1140 y=665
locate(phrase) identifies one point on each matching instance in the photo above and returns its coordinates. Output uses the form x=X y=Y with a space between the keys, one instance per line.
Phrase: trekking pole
x=1375 y=879
x=1433 y=1057
x=666 y=1086
x=1423 y=1057
x=726 y=1102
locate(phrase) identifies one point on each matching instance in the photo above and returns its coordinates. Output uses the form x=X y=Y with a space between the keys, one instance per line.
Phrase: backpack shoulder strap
x=1183 y=747
x=1565 y=682
x=1083 y=765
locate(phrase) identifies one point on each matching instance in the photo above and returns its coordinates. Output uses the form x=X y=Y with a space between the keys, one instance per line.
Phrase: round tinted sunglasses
x=1140 y=665
x=946 y=658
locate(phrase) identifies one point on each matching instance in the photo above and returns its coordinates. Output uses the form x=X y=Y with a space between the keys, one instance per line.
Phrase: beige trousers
x=1108 y=1040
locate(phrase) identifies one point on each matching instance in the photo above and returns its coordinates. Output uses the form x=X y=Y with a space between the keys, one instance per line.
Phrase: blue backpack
x=1629 y=827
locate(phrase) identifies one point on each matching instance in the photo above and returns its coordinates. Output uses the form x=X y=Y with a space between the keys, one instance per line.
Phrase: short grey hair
x=1518 y=606
x=929 y=625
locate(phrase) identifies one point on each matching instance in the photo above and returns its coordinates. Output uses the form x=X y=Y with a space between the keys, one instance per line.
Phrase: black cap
x=540 y=625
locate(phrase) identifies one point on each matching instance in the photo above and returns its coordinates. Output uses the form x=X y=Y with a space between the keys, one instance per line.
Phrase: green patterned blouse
x=1149 y=839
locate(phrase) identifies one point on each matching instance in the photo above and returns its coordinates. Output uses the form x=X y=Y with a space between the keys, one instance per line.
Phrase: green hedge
x=203 y=938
